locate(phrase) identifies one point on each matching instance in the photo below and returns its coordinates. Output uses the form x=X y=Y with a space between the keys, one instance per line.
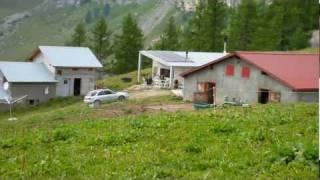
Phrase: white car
x=99 y=96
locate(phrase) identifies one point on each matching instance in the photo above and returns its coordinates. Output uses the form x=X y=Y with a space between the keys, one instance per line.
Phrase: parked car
x=99 y=96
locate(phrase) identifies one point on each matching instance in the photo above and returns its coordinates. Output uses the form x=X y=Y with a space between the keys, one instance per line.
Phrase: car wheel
x=96 y=103
x=121 y=98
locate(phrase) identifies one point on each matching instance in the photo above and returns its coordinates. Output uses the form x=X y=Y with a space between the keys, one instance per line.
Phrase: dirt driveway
x=148 y=93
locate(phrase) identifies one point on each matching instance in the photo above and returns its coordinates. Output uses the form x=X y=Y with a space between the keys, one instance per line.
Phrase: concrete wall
x=87 y=76
x=35 y=91
x=238 y=87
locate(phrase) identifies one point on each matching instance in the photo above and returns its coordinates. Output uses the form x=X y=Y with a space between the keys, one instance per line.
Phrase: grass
x=117 y=83
x=263 y=142
x=311 y=50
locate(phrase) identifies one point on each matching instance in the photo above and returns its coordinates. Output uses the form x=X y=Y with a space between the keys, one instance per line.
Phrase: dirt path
x=171 y=107
x=148 y=93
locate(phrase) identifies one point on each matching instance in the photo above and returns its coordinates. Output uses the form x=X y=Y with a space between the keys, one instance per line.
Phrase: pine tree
x=194 y=38
x=169 y=40
x=243 y=24
x=79 y=36
x=101 y=39
x=205 y=30
x=127 y=46
x=88 y=17
x=106 y=9
x=216 y=15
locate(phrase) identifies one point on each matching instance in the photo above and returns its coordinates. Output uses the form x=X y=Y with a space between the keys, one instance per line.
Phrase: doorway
x=211 y=92
x=77 y=87
x=263 y=96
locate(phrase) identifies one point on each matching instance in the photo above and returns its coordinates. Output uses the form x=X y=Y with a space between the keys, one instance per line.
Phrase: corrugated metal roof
x=26 y=72
x=298 y=71
x=81 y=57
x=178 y=58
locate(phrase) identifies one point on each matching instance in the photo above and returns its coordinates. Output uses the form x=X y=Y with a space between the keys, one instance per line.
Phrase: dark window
x=108 y=92
x=65 y=82
x=90 y=69
x=264 y=73
x=245 y=72
x=229 y=70
x=59 y=72
x=75 y=69
x=31 y=102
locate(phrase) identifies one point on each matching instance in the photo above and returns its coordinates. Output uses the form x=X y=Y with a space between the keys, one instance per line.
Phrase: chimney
x=225 y=45
x=187 y=52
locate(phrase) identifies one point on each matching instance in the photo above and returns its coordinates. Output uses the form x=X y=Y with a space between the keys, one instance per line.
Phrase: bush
x=63 y=133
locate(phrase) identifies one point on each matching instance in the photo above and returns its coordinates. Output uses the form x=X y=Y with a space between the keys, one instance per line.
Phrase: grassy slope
x=46 y=27
x=116 y=83
x=271 y=141
x=9 y=7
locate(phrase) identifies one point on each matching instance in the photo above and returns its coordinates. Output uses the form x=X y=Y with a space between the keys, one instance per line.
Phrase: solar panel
x=170 y=56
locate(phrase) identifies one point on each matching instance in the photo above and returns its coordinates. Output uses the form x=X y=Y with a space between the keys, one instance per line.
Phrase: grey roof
x=81 y=57
x=27 y=72
x=169 y=56
x=178 y=58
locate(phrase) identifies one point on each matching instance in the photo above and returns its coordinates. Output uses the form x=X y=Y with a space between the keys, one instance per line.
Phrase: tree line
x=255 y=25
x=118 y=54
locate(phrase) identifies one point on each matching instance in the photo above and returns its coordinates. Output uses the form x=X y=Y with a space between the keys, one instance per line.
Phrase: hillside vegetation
x=118 y=82
x=50 y=25
x=65 y=139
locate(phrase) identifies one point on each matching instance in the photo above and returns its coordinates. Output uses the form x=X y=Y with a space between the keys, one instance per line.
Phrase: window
x=90 y=69
x=229 y=70
x=75 y=69
x=46 y=91
x=59 y=72
x=245 y=73
x=65 y=81
x=264 y=73
x=102 y=93
x=201 y=87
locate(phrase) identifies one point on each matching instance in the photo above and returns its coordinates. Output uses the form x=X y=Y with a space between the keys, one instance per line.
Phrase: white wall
x=87 y=80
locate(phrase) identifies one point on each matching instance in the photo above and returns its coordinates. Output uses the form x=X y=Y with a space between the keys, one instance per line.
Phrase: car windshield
x=92 y=93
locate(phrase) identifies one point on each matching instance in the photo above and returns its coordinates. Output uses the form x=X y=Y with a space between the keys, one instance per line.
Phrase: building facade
x=235 y=79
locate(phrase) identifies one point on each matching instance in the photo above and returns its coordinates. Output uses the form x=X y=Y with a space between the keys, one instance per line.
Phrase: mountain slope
x=51 y=22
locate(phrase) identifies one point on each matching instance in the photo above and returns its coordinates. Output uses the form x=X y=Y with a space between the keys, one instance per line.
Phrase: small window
x=229 y=70
x=90 y=69
x=31 y=102
x=75 y=69
x=59 y=72
x=65 y=81
x=46 y=90
x=108 y=92
x=245 y=72
x=264 y=73
x=201 y=87
x=102 y=93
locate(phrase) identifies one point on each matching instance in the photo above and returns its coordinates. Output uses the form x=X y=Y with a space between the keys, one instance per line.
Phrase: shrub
x=63 y=133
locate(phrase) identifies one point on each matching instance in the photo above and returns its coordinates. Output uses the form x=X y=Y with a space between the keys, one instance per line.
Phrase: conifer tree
x=169 y=40
x=79 y=36
x=243 y=25
x=127 y=46
x=101 y=39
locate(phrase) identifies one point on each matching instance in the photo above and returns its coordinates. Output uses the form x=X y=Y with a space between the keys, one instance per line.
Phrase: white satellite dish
x=6 y=86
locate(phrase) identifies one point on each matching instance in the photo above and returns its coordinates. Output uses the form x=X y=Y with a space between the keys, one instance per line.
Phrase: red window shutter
x=230 y=70
x=245 y=72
